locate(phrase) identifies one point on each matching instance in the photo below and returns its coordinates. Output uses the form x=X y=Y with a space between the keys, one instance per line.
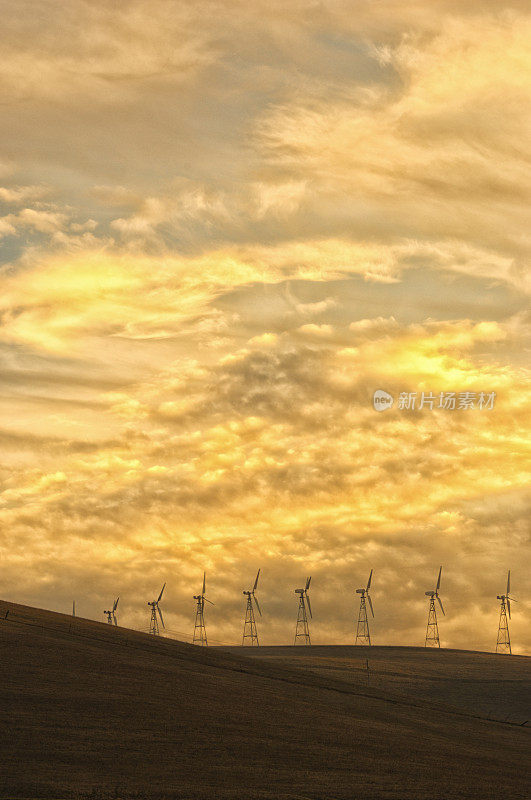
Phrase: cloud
x=321 y=331
x=264 y=339
x=62 y=298
x=275 y=458
x=442 y=152
x=18 y=195
x=231 y=225
x=68 y=297
x=98 y=51
x=380 y=325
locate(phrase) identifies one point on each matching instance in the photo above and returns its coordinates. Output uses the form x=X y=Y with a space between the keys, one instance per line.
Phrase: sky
x=223 y=227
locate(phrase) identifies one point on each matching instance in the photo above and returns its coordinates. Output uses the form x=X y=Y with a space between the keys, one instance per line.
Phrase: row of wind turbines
x=304 y=614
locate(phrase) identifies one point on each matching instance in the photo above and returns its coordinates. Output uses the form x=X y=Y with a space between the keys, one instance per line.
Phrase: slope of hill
x=89 y=710
x=483 y=684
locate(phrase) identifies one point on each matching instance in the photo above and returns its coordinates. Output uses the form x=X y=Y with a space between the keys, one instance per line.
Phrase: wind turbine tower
x=249 y=626
x=200 y=636
x=111 y=615
x=154 y=623
x=503 y=642
x=432 y=629
x=302 y=631
x=363 y=635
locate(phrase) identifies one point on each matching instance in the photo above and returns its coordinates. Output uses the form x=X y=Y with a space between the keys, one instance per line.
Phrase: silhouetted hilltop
x=90 y=710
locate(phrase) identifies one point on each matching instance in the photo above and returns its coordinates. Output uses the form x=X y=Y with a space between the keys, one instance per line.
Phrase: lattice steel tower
x=503 y=642
x=432 y=629
x=153 y=622
x=249 y=626
x=200 y=635
x=363 y=635
x=111 y=615
x=302 y=629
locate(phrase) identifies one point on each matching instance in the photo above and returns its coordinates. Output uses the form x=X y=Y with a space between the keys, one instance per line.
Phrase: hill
x=482 y=684
x=89 y=710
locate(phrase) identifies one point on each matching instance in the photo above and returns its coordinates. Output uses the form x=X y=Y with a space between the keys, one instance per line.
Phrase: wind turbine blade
x=509 y=582
x=256 y=581
x=115 y=606
x=258 y=607
x=370 y=604
x=369 y=581
x=309 y=606
x=308 y=580
x=441 y=605
x=509 y=607
x=438 y=580
x=160 y=595
x=209 y=601
x=160 y=615
x=204 y=582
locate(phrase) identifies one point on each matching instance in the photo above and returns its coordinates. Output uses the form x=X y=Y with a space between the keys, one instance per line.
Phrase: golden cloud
x=96 y=293
x=99 y=51
x=443 y=153
x=173 y=400
x=273 y=452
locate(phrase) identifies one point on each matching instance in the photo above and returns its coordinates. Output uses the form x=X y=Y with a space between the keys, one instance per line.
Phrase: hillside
x=91 y=710
x=482 y=684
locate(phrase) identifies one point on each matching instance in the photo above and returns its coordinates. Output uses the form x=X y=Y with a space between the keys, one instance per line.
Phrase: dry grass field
x=94 y=711
x=482 y=684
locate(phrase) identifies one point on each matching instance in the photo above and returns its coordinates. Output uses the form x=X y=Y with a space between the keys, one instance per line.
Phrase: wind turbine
x=249 y=626
x=200 y=636
x=111 y=615
x=432 y=630
x=154 y=623
x=363 y=635
x=503 y=641
x=302 y=631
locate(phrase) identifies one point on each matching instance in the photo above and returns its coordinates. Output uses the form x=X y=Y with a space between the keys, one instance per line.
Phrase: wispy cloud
x=223 y=226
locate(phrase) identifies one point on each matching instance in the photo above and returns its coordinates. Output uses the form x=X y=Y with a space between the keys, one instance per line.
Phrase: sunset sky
x=223 y=226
